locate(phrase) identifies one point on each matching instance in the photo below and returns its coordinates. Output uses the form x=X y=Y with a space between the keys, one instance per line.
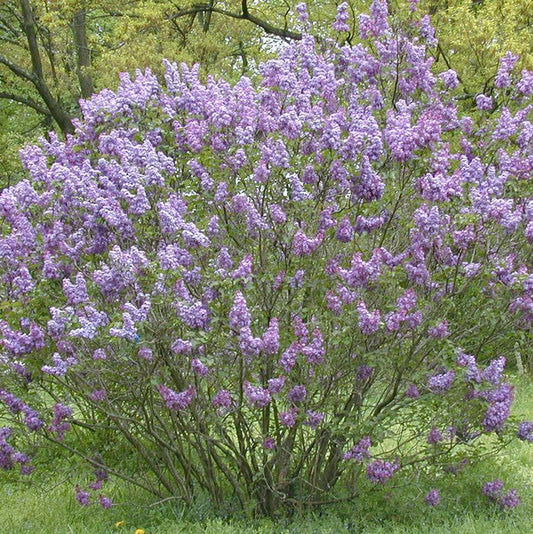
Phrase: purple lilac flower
x=275 y=385
x=326 y=218
x=525 y=84
x=432 y=498
x=145 y=353
x=60 y=366
x=493 y=373
x=345 y=230
x=270 y=341
x=195 y=315
x=105 y=502
x=361 y=273
x=412 y=392
x=297 y=279
x=467 y=360
x=278 y=281
x=525 y=431
x=369 y=322
x=288 y=358
x=175 y=400
x=334 y=303
x=435 y=436
x=224 y=262
x=239 y=316
x=244 y=269
x=58 y=423
x=363 y=372
x=181 y=346
x=510 y=500
x=449 y=79
x=14 y=404
x=499 y=409
x=297 y=394
x=82 y=496
x=277 y=214
x=494 y=491
x=496 y=415
x=76 y=293
x=249 y=345
x=288 y=418
x=300 y=329
x=303 y=245
x=222 y=399
x=493 y=488
x=315 y=351
x=439 y=331
x=379 y=471
x=257 y=396
x=360 y=451
x=269 y=443
x=33 y=422
x=484 y=103
x=441 y=382
x=314 y=418
x=341 y=21
x=199 y=368
x=507 y=63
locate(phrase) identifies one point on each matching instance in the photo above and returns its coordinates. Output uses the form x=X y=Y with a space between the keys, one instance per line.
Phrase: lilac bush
x=274 y=288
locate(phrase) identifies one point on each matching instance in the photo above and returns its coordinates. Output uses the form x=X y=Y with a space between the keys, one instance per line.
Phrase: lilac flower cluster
x=525 y=431
x=360 y=451
x=59 y=425
x=257 y=396
x=494 y=490
x=177 y=401
x=442 y=382
x=432 y=498
x=32 y=418
x=499 y=407
x=379 y=471
x=9 y=456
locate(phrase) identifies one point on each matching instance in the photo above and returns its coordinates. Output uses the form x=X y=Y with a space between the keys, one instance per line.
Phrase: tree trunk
x=83 y=53
x=57 y=111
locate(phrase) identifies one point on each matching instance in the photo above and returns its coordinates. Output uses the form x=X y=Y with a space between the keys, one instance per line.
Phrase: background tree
x=473 y=35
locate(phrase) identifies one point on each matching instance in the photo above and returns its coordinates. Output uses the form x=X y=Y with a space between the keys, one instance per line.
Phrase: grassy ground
x=46 y=505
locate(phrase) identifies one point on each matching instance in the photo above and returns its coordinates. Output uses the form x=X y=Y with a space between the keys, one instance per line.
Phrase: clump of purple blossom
x=432 y=498
x=175 y=400
x=442 y=382
x=379 y=471
x=525 y=431
x=360 y=451
x=494 y=490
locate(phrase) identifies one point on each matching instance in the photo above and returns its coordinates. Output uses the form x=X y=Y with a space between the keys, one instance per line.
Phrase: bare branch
x=28 y=26
x=27 y=102
x=16 y=69
x=245 y=15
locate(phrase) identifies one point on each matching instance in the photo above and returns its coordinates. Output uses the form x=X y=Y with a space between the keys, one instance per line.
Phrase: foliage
x=274 y=291
x=474 y=35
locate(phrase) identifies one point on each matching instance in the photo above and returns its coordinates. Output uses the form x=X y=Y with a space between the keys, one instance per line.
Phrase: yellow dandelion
x=119 y=523
x=139 y=531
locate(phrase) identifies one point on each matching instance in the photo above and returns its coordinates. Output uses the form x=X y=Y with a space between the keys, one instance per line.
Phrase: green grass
x=45 y=504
